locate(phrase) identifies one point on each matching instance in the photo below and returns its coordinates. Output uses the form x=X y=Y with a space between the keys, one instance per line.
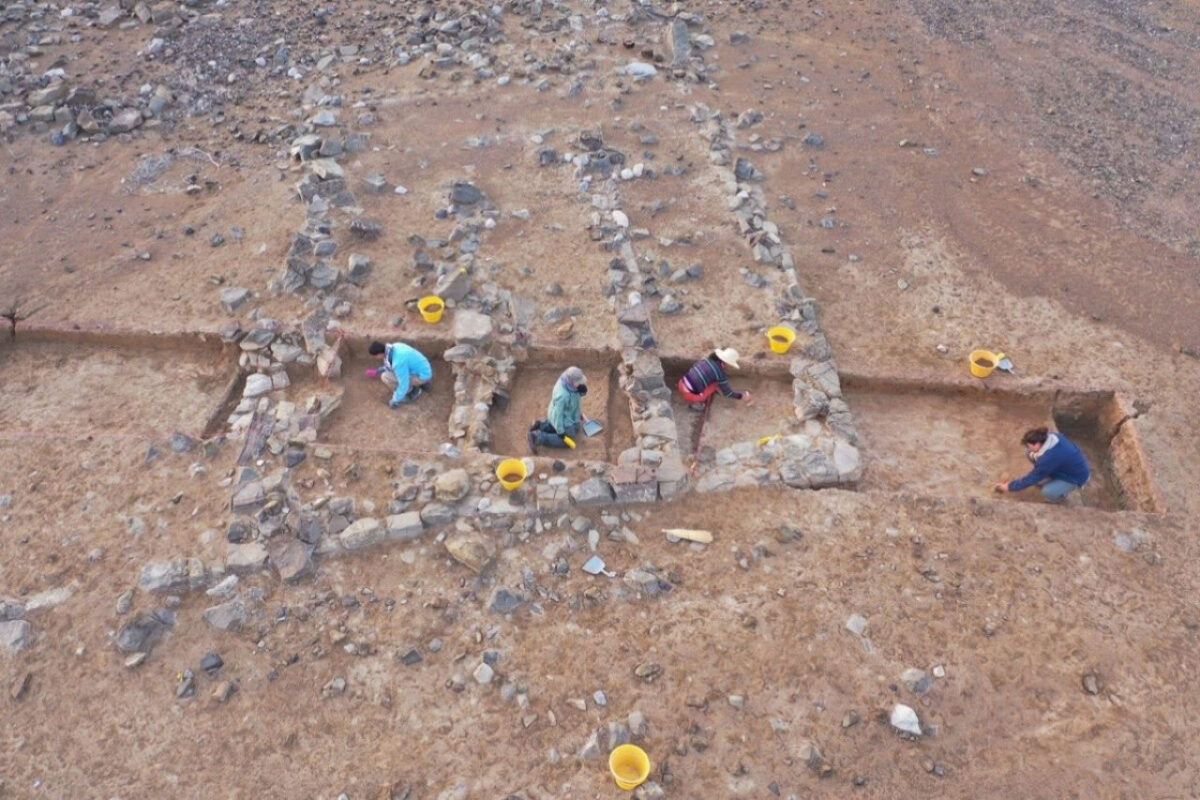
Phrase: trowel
x=1005 y=364
x=595 y=566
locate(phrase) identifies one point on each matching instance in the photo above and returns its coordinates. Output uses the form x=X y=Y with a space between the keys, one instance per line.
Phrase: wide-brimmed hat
x=728 y=356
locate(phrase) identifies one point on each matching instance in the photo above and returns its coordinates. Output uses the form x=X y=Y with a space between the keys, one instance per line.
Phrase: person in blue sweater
x=1059 y=466
x=404 y=369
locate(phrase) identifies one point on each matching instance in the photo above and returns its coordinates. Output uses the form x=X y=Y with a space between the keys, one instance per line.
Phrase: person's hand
x=372 y=373
x=1001 y=488
x=747 y=398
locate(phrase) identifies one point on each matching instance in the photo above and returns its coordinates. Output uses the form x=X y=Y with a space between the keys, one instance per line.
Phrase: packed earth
x=229 y=569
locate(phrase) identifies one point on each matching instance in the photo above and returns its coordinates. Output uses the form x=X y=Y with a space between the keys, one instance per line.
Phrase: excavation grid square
x=528 y=401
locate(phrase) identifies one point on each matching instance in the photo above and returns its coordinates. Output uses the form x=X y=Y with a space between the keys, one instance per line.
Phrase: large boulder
x=452 y=485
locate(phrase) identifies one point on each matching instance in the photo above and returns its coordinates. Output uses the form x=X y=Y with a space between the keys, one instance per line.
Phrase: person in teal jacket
x=404 y=369
x=564 y=415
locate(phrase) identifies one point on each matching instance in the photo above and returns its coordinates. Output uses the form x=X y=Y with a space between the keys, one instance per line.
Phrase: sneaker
x=415 y=392
x=696 y=406
x=532 y=437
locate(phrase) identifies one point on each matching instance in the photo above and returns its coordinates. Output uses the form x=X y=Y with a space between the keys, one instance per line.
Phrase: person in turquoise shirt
x=564 y=415
x=404 y=369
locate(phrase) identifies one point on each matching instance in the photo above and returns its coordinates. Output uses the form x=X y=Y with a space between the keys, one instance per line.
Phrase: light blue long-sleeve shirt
x=405 y=362
x=564 y=411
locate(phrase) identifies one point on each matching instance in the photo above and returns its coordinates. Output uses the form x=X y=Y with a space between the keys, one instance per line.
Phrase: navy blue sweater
x=1061 y=462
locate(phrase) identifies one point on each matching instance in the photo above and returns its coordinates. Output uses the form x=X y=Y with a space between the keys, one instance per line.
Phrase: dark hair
x=1035 y=436
x=376 y=348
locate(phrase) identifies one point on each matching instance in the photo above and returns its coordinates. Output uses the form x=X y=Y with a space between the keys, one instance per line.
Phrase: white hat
x=728 y=356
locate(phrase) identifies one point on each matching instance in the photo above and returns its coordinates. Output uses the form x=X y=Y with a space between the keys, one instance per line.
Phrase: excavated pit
x=364 y=421
x=530 y=395
x=82 y=383
x=732 y=421
x=959 y=440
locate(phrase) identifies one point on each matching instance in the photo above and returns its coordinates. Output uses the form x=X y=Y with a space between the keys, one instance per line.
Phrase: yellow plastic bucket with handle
x=780 y=338
x=431 y=307
x=983 y=362
x=511 y=472
x=630 y=766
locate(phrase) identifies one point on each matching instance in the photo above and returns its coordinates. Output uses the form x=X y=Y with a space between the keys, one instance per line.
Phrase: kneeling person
x=404 y=369
x=565 y=414
x=1059 y=466
x=701 y=382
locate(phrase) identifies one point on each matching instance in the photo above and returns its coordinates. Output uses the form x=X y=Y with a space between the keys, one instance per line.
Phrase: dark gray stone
x=505 y=602
x=465 y=194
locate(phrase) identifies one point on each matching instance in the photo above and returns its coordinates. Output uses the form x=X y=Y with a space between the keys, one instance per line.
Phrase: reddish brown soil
x=1046 y=207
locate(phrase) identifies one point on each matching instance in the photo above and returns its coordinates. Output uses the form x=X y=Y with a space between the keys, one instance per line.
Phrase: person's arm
x=1040 y=471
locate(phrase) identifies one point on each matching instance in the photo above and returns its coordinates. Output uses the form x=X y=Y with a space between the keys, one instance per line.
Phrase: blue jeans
x=548 y=437
x=1056 y=491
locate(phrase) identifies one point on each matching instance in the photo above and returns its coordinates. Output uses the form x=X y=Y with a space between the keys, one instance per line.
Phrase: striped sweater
x=706 y=372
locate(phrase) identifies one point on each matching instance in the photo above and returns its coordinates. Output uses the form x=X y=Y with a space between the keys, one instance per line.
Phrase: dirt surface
x=49 y=388
x=364 y=420
x=1016 y=177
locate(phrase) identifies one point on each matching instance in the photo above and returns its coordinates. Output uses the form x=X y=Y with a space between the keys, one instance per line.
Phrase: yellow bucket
x=431 y=307
x=630 y=766
x=511 y=473
x=780 y=338
x=983 y=362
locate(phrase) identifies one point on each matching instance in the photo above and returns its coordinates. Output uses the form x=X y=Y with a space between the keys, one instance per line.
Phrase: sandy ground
x=1071 y=246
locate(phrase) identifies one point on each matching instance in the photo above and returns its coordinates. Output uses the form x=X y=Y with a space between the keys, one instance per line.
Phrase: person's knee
x=1057 y=491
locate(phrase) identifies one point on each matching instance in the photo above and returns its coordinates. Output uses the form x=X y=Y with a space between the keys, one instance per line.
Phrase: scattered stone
x=142 y=633
x=648 y=671
x=856 y=624
x=640 y=70
x=211 y=663
x=465 y=194
x=225 y=588
x=904 y=719
x=505 y=602
x=227 y=616
x=125 y=120
x=814 y=140
x=19 y=690
x=291 y=560
x=233 y=298
x=483 y=674
x=1091 y=683
x=15 y=636
x=471 y=550
x=916 y=681
x=246 y=558
x=171 y=576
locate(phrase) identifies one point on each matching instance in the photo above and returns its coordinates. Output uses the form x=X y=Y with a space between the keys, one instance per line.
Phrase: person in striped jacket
x=700 y=383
